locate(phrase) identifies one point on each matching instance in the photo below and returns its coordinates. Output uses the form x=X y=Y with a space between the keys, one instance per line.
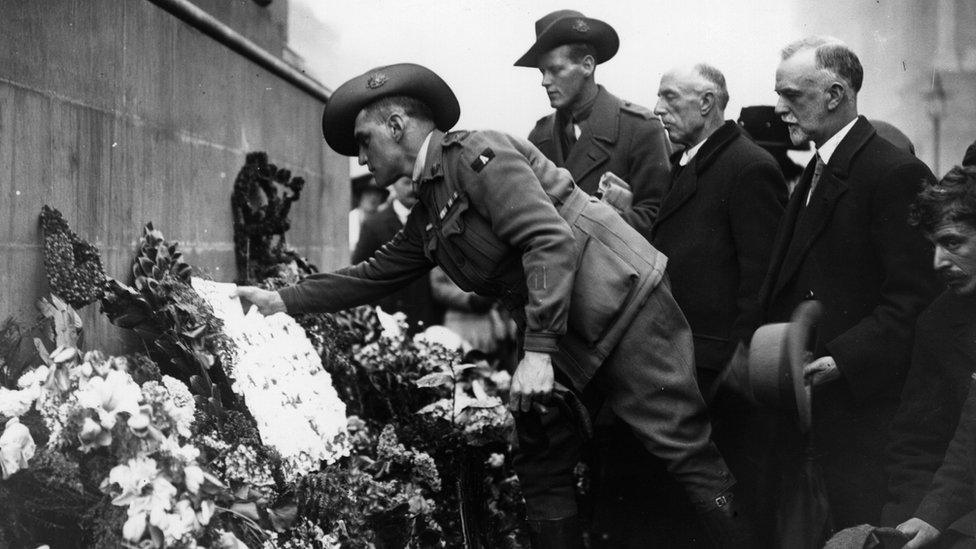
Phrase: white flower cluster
x=167 y=502
x=284 y=385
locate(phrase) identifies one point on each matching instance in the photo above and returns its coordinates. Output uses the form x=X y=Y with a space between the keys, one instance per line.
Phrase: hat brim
x=565 y=31
x=805 y=317
x=777 y=355
x=406 y=79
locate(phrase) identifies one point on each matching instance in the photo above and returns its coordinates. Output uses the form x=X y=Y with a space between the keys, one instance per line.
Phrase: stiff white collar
x=690 y=153
x=827 y=149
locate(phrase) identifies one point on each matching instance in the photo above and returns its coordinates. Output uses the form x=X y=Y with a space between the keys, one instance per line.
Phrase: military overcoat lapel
x=597 y=139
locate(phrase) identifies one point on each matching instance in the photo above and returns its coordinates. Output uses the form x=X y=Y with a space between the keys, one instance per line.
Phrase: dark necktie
x=817 y=172
x=568 y=135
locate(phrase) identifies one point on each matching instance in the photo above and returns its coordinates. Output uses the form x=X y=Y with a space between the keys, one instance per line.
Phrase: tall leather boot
x=726 y=526
x=564 y=533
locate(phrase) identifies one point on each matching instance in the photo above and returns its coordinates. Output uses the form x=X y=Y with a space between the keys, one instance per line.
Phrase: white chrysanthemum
x=16 y=403
x=34 y=377
x=281 y=378
x=183 y=408
x=178 y=390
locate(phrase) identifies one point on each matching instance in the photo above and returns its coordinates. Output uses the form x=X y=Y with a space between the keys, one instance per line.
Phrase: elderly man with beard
x=845 y=242
x=588 y=292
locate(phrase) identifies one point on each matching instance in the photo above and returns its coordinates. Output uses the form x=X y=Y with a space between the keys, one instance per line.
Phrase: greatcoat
x=619 y=137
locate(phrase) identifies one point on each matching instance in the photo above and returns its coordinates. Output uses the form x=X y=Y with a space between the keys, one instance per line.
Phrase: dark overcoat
x=415 y=300
x=619 y=137
x=852 y=249
x=951 y=498
x=943 y=360
x=717 y=225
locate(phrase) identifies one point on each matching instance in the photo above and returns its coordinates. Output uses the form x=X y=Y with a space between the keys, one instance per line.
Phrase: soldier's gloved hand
x=532 y=383
x=267 y=302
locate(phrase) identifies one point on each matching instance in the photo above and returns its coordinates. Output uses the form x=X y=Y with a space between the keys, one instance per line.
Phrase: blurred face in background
x=370 y=201
x=404 y=192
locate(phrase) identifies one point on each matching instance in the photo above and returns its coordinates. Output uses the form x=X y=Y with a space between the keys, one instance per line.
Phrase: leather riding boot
x=564 y=533
x=725 y=525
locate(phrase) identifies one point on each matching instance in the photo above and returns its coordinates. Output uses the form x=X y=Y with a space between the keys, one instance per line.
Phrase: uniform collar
x=604 y=116
x=418 y=166
x=583 y=112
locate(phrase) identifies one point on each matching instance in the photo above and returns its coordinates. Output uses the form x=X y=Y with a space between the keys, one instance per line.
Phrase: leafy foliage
x=261 y=201
x=74 y=266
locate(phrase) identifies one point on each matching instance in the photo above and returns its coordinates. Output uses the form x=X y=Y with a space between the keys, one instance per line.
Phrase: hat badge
x=580 y=26
x=376 y=80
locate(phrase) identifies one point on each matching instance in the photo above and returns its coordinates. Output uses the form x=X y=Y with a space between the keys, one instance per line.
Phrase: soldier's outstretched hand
x=267 y=302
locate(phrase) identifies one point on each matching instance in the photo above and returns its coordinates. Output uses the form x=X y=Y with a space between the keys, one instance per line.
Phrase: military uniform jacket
x=618 y=137
x=717 y=225
x=503 y=221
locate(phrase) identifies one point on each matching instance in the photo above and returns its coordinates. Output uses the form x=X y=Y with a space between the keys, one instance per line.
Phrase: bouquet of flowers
x=280 y=376
x=132 y=430
x=322 y=431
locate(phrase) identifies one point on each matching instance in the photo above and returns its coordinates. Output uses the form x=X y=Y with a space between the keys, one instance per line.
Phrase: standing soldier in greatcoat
x=592 y=132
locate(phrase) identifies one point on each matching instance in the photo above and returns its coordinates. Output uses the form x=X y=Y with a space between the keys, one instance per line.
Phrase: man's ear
x=396 y=124
x=707 y=103
x=589 y=65
x=835 y=95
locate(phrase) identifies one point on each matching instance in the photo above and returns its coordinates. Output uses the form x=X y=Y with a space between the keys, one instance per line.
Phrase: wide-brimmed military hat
x=408 y=79
x=766 y=128
x=770 y=372
x=569 y=27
